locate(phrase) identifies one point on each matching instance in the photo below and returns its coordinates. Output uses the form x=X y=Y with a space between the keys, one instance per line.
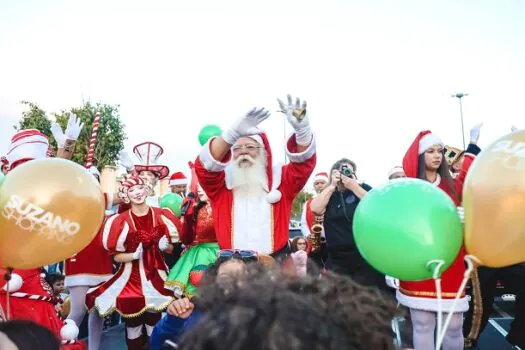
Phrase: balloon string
x=470 y=267
x=437 y=280
x=7 y=278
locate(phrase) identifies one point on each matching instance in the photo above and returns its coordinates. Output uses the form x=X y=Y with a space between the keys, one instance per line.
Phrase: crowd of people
x=223 y=274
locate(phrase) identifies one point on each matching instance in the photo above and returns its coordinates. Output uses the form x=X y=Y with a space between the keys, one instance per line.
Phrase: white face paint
x=137 y=194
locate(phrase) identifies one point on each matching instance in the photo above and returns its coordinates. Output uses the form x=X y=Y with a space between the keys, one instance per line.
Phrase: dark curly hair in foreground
x=28 y=335
x=271 y=311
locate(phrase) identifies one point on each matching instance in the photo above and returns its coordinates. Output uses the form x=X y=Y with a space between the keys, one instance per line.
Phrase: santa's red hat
x=423 y=141
x=178 y=178
x=321 y=177
x=148 y=153
x=274 y=195
x=27 y=145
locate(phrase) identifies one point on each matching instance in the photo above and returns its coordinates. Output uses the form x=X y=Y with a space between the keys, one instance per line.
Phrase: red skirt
x=90 y=267
x=421 y=295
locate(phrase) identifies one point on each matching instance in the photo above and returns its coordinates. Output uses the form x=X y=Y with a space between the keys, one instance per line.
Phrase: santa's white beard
x=252 y=180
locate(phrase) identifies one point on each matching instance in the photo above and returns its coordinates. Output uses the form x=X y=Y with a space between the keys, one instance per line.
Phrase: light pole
x=459 y=96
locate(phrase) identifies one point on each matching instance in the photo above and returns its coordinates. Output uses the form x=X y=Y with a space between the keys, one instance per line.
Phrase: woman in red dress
x=425 y=160
x=135 y=239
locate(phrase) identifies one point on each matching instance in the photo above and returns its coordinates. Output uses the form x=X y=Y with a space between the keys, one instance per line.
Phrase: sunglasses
x=244 y=255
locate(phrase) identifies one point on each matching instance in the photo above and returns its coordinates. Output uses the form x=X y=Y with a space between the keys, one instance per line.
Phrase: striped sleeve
x=114 y=234
x=172 y=223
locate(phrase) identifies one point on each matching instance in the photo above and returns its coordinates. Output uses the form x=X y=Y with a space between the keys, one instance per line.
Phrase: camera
x=346 y=170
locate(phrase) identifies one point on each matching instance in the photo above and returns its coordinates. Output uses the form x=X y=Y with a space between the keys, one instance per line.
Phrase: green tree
x=34 y=118
x=298 y=204
x=110 y=136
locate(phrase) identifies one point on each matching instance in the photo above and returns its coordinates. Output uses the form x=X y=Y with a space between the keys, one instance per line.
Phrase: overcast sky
x=374 y=73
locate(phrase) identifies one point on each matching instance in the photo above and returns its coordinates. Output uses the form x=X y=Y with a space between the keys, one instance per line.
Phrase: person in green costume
x=198 y=235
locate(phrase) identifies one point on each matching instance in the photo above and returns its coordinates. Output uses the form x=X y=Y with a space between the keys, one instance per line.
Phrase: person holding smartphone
x=337 y=203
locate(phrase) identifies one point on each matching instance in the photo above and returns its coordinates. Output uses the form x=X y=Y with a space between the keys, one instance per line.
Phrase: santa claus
x=251 y=199
x=308 y=220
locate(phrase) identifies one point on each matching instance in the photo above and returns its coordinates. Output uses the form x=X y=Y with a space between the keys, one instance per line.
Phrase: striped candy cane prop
x=92 y=141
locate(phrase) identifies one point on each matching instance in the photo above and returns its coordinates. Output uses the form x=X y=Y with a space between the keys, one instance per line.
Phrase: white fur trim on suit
x=85 y=280
x=107 y=229
x=428 y=141
x=172 y=229
x=178 y=182
x=208 y=162
x=431 y=304
x=303 y=156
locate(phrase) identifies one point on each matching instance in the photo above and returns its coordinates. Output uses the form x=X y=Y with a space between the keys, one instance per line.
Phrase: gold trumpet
x=315 y=236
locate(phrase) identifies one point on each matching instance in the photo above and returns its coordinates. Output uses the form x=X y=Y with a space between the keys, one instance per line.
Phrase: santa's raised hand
x=246 y=125
x=297 y=116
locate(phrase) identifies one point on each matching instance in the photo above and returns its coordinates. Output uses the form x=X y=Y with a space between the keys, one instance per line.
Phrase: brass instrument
x=315 y=236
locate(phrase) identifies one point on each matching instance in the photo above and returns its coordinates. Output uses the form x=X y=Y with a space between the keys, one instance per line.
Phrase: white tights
x=78 y=311
x=424 y=326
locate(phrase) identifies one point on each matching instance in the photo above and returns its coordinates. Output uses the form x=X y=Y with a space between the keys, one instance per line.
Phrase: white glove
x=163 y=243
x=392 y=282
x=246 y=125
x=138 y=252
x=74 y=126
x=514 y=128
x=474 y=133
x=126 y=161
x=58 y=134
x=461 y=214
x=303 y=133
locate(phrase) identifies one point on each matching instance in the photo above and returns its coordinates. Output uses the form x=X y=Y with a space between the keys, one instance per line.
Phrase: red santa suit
x=33 y=300
x=92 y=265
x=260 y=224
x=421 y=295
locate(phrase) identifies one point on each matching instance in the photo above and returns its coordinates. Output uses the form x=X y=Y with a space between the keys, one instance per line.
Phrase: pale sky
x=374 y=73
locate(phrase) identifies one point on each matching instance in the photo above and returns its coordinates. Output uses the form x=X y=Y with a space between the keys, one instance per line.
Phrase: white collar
x=438 y=180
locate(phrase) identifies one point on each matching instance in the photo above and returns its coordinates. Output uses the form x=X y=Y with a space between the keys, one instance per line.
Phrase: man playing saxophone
x=312 y=226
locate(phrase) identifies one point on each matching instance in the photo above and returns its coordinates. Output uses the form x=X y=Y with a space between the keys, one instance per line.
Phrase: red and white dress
x=138 y=286
x=259 y=224
x=421 y=295
x=92 y=265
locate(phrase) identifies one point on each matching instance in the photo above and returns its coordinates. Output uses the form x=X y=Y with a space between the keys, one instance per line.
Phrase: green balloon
x=207 y=132
x=403 y=225
x=172 y=201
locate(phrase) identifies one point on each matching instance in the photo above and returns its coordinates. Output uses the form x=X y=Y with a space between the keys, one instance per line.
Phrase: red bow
x=152 y=258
